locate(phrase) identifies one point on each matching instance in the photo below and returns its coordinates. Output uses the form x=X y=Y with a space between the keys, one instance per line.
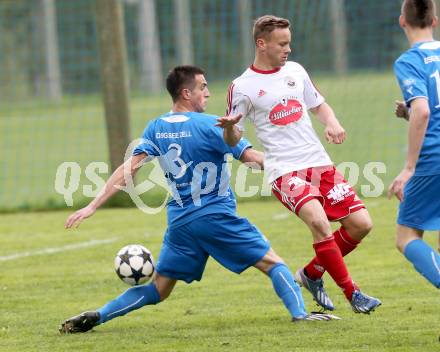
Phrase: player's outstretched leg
x=316 y=288
x=134 y=298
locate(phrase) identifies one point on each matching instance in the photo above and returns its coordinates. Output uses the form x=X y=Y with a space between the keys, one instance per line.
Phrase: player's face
x=199 y=94
x=277 y=47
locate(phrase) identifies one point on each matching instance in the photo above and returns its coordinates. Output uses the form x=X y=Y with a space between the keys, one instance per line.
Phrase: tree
x=114 y=77
x=339 y=35
x=183 y=30
x=149 y=48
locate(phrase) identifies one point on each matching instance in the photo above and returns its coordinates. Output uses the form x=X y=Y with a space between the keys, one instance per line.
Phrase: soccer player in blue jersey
x=418 y=185
x=402 y=111
x=202 y=219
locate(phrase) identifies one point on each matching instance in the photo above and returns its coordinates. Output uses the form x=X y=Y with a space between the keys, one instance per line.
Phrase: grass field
x=37 y=137
x=223 y=312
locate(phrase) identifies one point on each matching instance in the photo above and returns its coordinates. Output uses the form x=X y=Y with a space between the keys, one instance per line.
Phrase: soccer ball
x=134 y=264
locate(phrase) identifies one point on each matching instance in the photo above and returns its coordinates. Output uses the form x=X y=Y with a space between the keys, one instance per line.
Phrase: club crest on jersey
x=261 y=93
x=290 y=82
x=288 y=110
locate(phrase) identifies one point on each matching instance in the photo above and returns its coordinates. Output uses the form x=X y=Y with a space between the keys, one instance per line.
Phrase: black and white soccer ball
x=134 y=264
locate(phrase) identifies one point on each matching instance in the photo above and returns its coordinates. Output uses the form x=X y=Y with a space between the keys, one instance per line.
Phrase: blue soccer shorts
x=231 y=240
x=420 y=208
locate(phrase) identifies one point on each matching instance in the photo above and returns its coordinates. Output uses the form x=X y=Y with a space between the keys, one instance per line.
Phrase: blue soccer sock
x=134 y=298
x=288 y=290
x=425 y=260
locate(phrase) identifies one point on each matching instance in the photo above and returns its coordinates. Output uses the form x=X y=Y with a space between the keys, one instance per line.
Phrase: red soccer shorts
x=324 y=183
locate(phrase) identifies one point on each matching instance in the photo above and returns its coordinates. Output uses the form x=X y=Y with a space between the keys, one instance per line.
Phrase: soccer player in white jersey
x=417 y=72
x=275 y=95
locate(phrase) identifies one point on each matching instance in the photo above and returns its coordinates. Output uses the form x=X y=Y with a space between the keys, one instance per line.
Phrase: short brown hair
x=181 y=77
x=418 y=13
x=264 y=25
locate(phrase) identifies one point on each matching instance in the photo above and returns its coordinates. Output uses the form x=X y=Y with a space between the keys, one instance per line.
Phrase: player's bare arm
x=401 y=110
x=112 y=186
x=334 y=132
x=418 y=122
x=231 y=133
x=253 y=158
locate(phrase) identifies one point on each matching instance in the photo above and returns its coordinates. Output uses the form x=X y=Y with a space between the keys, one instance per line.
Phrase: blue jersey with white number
x=418 y=73
x=194 y=159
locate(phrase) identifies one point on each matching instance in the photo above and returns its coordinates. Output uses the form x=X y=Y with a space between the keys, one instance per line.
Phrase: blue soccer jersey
x=193 y=156
x=418 y=73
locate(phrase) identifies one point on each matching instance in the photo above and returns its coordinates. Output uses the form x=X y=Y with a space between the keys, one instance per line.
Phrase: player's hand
x=77 y=217
x=335 y=134
x=401 y=110
x=228 y=121
x=397 y=186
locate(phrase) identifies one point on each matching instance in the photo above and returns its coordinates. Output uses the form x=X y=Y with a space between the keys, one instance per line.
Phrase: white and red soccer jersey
x=276 y=102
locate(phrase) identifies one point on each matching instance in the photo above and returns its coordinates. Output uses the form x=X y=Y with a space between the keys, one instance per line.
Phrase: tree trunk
x=149 y=48
x=114 y=79
x=339 y=36
x=183 y=35
x=246 y=39
x=52 y=61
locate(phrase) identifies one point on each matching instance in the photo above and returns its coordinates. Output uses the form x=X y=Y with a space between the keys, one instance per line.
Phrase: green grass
x=37 y=137
x=223 y=312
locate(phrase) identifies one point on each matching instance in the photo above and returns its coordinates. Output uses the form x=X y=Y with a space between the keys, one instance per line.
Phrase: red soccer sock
x=346 y=244
x=330 y=257
x=344 y=241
